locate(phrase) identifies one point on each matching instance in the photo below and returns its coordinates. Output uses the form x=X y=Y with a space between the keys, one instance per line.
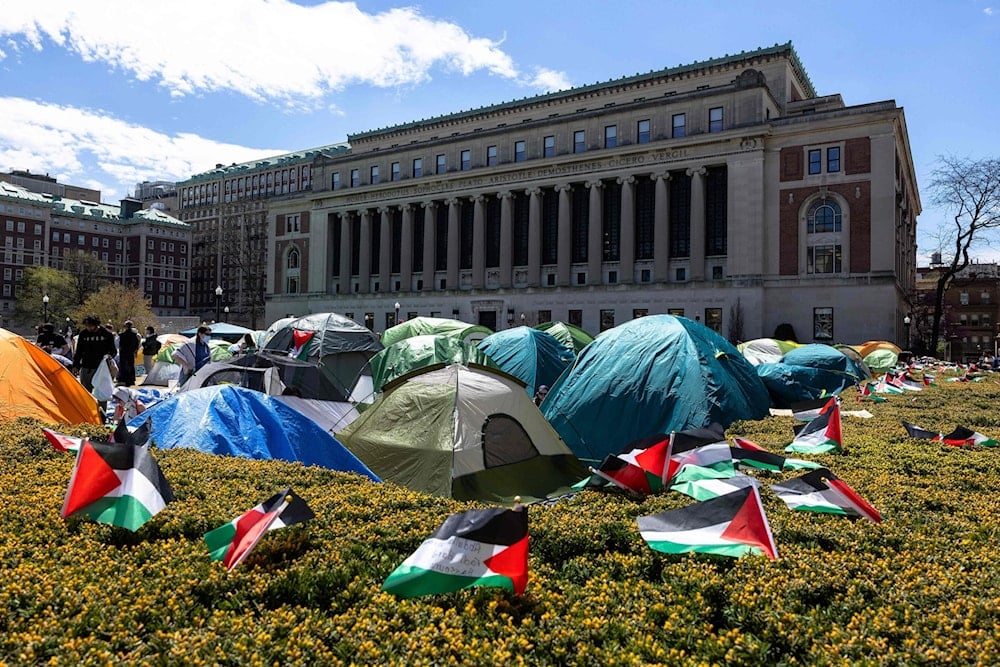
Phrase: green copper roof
x=269 y=163
x=82 y=208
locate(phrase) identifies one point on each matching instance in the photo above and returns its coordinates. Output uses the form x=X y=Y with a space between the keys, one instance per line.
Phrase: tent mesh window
x=505 y=441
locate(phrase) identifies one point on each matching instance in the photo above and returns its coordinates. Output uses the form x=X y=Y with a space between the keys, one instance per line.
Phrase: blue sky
x=107 y=93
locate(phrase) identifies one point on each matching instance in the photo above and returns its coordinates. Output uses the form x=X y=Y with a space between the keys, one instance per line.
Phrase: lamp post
x=396 y=321
x=218 y=302
x=226 y=311
x=522 y=319
x=45 y=309
x=906 y=331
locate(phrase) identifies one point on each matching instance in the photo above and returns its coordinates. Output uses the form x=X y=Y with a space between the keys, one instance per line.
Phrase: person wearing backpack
x=150 y=347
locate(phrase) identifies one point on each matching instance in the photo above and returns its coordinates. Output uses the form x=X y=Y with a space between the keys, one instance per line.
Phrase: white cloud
x=267 y=50
x=79 y=145
x=547 y=80
x=988 y=11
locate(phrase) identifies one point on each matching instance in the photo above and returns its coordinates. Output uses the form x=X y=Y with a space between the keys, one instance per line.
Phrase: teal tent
x=654 y=374
x=534 y=357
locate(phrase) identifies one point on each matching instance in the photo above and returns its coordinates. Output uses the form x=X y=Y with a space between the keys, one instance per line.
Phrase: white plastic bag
x=104 y=386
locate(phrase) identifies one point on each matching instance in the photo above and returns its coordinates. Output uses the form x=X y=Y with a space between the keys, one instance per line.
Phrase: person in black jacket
x=150 y=347
x=128 y=347
x=94 y=346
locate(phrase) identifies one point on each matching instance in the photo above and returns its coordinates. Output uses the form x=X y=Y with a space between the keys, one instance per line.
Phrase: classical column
x=534 y=236
x=661 y=228
x=626 y=272
x=564 y=240
x=595 y=236
x=385 y=250
x=697 y=223
x=406 y=250
x=365 y=253
x=478 y=240
x=453 y=243
x=430 y=241
x=346 y=241
x=506 y=238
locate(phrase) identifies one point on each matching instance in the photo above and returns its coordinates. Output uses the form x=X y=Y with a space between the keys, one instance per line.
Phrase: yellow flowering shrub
x=919 y=588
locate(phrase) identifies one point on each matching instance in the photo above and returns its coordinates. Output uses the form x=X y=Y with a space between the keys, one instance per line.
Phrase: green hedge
x=920 y=588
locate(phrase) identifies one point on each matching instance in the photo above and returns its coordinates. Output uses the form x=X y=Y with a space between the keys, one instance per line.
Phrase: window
x=491 y=156
x=680 y=275
x=642 y=135
x=520 y=152
x=355 y=178
x=394 y=172
x=833 y=159
x=418 y=167
x=440 y=164
x=715 y=119
x=607 y=320
x=984 y=297
x=610 y=136
x=678 y=125
x=716 y=273
x=466 y=160
x=823 y=259
x=815 y=161
x=548 y=146
x=373 y=174
x=579 y=141
x=823 y=323
x=293 y=259
x=963 y=298
x=713 y=319
x=824 y=216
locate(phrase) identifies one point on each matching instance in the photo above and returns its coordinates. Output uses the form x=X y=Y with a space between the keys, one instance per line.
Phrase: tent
x=470 y=433
x=765 y=350
x=654 y=374
x=810 y=372
x=534 y=357
x=422 y=326
x=416 y=352
x=221 y=330
x=33 y=384
x=816 y=355
x=340 y=347
x=233 y=421
x=165 y=370
x=572 y=337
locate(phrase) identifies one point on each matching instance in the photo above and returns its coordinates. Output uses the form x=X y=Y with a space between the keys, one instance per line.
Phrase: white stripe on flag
x=455 y=556
x=696 y=536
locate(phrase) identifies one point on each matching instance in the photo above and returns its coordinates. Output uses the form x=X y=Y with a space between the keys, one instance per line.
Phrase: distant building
x=161 y=195
x=971 y=312
x=727 y=191
x=49 y=185
x=147 y=249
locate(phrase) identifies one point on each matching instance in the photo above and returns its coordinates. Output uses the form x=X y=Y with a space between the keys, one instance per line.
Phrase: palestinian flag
x=471 y=548
x=300 y=343
x=786 y=463
x=713 y=461
x=964 y=437
x=115 y=483
x=929 y=380
x=650 y=454
x=730 y=525
x=61 y=442
x=918 y=433
x=821 y=491
x=866 y=391
x=805 y=411
x=138 y=437
x=685 y=441
x=706 y=489
x=233 y=542
x=821 y=435
x=625 y=475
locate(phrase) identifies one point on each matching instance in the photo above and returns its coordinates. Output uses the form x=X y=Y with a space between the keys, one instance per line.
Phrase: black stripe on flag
x=700 y=515
x=683 y=441
x=490 y=526
x=762 y=457
x=808 y=483
x=915 y=431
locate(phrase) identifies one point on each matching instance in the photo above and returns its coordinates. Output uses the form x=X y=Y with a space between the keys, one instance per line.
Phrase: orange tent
x=33 y=384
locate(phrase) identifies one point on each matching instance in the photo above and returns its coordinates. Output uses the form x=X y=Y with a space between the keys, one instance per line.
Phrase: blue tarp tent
x=654 y=374
x=532 y=356
x=233 y=421
x=810 y=372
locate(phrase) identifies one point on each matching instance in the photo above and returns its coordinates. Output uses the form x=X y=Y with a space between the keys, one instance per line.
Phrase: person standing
x=150 y=347
x=128 y=347
x=194 y=354
x=94 y=347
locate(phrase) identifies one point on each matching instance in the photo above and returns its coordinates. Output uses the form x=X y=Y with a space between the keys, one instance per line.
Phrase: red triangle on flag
x=653 y=459
x=92 y=479
x=300 y=343
x=249 y=529
x=512 y=562
x=749 y=526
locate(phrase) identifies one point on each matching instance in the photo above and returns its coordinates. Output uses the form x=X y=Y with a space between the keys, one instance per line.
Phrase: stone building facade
x=726 y=191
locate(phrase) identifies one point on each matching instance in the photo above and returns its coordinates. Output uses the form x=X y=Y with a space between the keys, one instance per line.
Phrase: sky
x=106 y=94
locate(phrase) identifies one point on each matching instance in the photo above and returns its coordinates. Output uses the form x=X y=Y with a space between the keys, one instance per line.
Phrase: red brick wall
x=791 y=163
x=858 y=156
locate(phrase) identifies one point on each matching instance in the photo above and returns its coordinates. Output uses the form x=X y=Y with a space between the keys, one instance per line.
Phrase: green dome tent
x=422 y=326
x=409 y=354
x=469 y=433
x=572 y=337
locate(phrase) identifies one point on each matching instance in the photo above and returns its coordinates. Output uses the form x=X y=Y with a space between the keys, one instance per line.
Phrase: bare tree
x=89 y=273
x=243 y=245
x=970 y=190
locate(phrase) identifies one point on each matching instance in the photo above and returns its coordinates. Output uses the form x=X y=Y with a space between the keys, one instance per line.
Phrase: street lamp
x=226 y=311
x=906 y=330
x=45 y=309
x=396 y=321
x=218 y=302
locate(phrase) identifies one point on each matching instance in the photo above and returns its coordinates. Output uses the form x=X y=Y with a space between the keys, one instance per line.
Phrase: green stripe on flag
x=406 y=581
x=123 y=511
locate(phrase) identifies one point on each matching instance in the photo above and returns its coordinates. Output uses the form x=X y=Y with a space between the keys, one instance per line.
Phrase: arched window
x=824 y=216
x=293 y=259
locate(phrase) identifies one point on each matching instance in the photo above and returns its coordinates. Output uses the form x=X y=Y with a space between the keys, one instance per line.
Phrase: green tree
x=970 y=190
x=38 y=282
x=116 y=303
